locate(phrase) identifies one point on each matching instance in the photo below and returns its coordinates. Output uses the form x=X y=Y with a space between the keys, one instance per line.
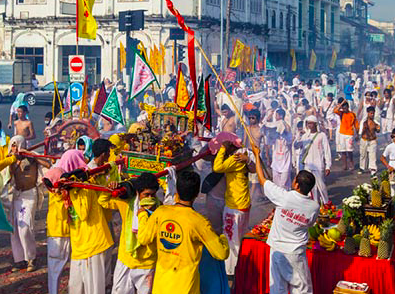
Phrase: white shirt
x=324 y=79
x=295 y=81
x=294 y=214
x=389 y=153
x=328 y=107
x=282 y=150
x=319 y=155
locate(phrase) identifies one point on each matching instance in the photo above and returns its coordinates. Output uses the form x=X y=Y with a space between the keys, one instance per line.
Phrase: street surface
x=340 y=184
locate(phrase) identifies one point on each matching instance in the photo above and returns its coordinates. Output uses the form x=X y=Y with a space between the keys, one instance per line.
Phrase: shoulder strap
x=308 y=148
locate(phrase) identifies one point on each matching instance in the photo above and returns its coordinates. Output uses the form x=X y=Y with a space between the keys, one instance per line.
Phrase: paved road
x=36 y=114
x=340 y=184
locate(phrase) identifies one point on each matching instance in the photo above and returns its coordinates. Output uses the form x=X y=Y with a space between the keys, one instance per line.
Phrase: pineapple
x=386 y=234
x=364 y=247
x=376 y=195
x=349 y=244
x=385 y=187
x=341 y=226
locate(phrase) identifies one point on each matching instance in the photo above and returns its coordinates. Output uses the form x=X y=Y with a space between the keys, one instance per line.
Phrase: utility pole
x=288 y=20
x=221 y=45
x=227 y=36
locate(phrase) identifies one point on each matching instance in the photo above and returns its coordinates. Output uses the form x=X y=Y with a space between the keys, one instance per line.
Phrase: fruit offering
x=364 y=247
x=315 y=231
x=327 y=242
x=262 y=230
x=374 y=234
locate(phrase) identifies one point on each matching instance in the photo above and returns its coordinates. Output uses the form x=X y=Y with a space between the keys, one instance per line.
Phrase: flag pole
x=231 y=101
x=76 y=16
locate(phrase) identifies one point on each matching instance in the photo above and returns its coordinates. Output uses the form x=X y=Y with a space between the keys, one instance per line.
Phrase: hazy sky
x=382 y=10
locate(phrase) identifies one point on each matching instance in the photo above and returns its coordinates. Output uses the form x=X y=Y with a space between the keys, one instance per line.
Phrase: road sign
x=77 y=68
x=76 y=91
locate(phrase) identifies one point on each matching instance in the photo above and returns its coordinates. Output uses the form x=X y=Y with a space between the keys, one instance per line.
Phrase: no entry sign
x=77 y=68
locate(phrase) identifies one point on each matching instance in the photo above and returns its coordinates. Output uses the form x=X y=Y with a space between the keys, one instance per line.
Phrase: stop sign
x=76 y=64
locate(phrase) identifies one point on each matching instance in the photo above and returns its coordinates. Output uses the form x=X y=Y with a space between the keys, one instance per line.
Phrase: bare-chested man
x=23 y=126
x=228 y=122
x=24 y=203
x=254 y=118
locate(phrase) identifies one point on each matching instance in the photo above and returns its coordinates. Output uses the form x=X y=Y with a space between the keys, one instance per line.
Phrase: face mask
x=47 y=122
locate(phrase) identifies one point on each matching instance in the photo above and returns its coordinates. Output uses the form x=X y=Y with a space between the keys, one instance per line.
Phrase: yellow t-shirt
x=237 y=195
x=89 y=234
x=180 y=235
x=4 y=149
x=103 y=180
x=7 y=162
x=146 y=254
x=57 y=217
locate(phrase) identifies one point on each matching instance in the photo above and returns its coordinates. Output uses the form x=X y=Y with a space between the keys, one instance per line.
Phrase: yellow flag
x=163 y=55
x=86 y=23
x=122 y=57
x=157 y=61
x=142 y=50
x=332 y=64
x=237 y=54
x=294 y=64
x=247 y=59
x=84 y=108
x=313 y=60
x=152 y=62
x=182 y=91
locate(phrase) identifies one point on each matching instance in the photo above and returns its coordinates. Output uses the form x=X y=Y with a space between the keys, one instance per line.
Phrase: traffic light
x=181 y=53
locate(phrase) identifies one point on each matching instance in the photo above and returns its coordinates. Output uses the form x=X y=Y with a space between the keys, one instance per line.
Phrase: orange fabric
x=348 y=122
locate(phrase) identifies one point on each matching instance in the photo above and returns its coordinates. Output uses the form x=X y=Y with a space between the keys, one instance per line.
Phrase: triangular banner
x=112 y=109
x=142 y=76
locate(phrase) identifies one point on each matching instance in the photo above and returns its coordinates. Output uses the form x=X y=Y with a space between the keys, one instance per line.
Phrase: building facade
x=303 y=25
x=44 y=32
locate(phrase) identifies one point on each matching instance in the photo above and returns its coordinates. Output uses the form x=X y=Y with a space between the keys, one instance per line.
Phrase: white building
x=44 y=32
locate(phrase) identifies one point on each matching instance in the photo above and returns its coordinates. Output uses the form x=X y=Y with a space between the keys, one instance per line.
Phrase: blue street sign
x=76 y=90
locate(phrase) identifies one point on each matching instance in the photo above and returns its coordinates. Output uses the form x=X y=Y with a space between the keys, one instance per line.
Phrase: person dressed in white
x=295 y=213
x=388 y=159
x=296 y=80
x=324 y=79
x=315 y=157
x=326 y=108
x=387 y=114
x=282 y=151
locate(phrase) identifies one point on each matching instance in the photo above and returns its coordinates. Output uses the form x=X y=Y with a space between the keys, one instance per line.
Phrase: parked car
x=15 y=78
x=45 y=94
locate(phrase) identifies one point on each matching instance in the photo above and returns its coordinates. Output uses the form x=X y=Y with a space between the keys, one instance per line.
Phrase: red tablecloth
x=327 y=268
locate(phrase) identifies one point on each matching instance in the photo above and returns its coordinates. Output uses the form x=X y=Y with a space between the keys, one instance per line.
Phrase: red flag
x=208 y=119
x=191 y=51
x=100 y=99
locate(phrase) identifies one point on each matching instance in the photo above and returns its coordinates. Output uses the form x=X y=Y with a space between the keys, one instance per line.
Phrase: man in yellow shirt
x=101 y=149
x=237 y=197
x=90 y=238
x=134 y=272
x=180 y=234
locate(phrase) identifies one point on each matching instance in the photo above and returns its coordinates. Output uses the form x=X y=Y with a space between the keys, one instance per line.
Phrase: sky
x=382 y=10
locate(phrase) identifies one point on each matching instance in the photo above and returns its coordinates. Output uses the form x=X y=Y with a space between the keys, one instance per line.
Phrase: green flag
x=112 y=109
x=201 y=95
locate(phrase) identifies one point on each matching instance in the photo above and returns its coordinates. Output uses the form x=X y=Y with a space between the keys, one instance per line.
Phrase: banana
x=329 y=238
x=332 y=247
x=374 y=242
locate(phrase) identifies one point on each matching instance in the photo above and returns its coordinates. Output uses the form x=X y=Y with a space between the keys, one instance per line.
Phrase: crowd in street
x=292 y=129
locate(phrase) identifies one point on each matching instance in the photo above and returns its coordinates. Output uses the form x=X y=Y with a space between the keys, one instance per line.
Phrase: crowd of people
x=289 y=129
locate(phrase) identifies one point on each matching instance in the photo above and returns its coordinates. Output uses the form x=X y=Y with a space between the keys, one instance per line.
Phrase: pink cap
x=216 y=143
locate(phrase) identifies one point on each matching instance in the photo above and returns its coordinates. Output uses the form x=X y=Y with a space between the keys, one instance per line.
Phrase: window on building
x=323 y=16
x=267 y=17
x=294 y=22
x=281 y=20
x=238 y=5
x=35 y=55
x=214 y=2
x=349 y=12
x=273 y=19
x=256 y=7
x=300 y=22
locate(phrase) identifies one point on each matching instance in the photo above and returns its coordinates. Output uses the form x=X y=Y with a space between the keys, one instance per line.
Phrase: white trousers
x=132 y=281
x=87 y=276
x=109 y=256
x=282 y=179
x=58 y=254
x=319 y=192
x=215 y=209
x=235 y=226
x=289 y=273
x=368 y=147
x=23 y=242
